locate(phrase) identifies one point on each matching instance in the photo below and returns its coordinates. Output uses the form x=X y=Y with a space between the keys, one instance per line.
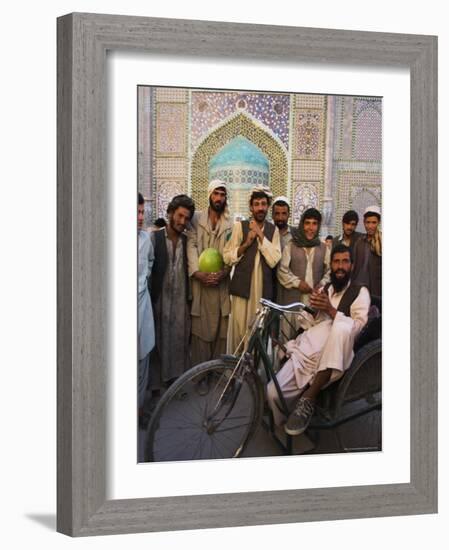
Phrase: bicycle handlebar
x=288 y=308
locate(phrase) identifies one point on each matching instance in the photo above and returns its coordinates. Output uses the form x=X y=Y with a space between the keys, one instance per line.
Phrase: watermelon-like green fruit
x=210 y=261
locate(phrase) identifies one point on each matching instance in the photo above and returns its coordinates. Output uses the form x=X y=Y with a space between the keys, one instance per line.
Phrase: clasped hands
x=211 y=279
x=254 y=231
x=319 y=300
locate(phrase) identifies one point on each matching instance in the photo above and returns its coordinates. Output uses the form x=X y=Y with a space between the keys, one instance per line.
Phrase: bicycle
x=219 y=424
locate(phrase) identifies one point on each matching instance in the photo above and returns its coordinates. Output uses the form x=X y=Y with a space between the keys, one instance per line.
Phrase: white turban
x=260 y=189
x=281 y=198
x=216 y=184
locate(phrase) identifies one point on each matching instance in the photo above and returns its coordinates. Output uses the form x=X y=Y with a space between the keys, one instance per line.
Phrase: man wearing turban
x=211 y=228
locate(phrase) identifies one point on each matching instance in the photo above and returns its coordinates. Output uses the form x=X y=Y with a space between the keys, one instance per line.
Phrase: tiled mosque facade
x=318 y=150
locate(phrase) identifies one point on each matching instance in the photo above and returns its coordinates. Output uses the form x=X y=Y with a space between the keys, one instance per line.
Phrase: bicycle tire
x=360 y=399
x=178 y=428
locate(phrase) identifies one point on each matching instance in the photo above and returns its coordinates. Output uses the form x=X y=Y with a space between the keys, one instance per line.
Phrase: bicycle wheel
x=359 y=400
x=188 y=426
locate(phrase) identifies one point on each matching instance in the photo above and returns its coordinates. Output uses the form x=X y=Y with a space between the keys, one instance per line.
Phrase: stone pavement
x=263 y=444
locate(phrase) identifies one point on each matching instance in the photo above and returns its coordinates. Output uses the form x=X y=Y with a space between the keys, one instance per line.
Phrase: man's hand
x=216 y=278
x=248 y=242
x=205 y=279
x=254 y=227
x=320 y=301
x=250 y=237
x=304 y=288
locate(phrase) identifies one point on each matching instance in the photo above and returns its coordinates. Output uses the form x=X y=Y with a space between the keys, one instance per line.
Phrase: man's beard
x=340 y=283
x=218 y=207
x=175 y=229
x=281 y=225
x=260 y=216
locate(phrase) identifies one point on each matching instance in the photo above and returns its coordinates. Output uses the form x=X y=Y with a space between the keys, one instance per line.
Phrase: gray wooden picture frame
x=83 y=40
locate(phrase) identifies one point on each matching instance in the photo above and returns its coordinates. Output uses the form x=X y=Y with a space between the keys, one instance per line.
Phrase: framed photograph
x=114 y=71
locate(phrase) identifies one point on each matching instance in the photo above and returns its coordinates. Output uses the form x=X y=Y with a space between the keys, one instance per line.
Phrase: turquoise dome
x=239 y=152
x=242 y=166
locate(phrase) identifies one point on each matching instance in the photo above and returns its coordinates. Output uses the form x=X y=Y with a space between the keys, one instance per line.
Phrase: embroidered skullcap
x=281 y=198
x=374 y=209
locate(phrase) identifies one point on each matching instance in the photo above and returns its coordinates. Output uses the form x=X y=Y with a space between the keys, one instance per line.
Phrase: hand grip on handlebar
x=310 y=310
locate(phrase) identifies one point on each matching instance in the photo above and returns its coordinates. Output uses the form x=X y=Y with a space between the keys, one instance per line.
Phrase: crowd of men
x=187 y=316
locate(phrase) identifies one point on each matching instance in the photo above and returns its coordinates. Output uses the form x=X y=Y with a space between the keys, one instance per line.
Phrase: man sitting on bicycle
x=320 y=354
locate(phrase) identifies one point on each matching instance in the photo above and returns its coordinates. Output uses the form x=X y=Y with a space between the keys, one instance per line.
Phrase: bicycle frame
x=257 y=346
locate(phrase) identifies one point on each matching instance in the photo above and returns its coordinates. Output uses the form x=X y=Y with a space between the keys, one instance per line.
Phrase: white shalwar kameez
x=326 y=344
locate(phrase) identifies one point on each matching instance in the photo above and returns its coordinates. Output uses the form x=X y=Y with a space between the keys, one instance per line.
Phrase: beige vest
x=298 y=265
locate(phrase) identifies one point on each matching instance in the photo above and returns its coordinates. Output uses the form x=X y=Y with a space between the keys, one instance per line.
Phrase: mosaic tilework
x=362 y=197
x=358 y=166
x=304 y=101
x=165 y=192
x=171 y=134
x=361 y=104
x=303 y=170
x=309 y=134
x=367 y=129
x=182 y=130
x=357 y=190
x=148 y=219
x=357 y=156
x=305 y=195
x=358 y=134
x=243 y=176
x=171 y=95
x=144 y=140
x=208 y=109
x=168 y=168
x=344 y=127
x=240 y=125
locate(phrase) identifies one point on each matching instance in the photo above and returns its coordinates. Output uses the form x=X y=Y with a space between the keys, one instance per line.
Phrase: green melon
x=210 y=261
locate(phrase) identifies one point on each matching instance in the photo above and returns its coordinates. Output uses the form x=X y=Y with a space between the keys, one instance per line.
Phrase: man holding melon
x=210 y=230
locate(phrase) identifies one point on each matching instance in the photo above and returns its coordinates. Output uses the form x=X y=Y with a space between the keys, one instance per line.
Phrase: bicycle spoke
x=226 y=436
x=171 y=452
x=176 y=425
x=221 y=454
x=215 y=425
x=191 y=403
x=198 y=447
x=159 y=437
x=192 y=443
x=231 y=428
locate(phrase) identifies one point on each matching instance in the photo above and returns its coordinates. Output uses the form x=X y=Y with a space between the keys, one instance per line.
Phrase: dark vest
x=352 y=240
x=241 y=281
x=160 y=264
x=367 y=269
x=348 y=298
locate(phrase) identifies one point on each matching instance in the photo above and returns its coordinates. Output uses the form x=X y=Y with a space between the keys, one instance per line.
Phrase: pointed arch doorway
x=240 y=126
